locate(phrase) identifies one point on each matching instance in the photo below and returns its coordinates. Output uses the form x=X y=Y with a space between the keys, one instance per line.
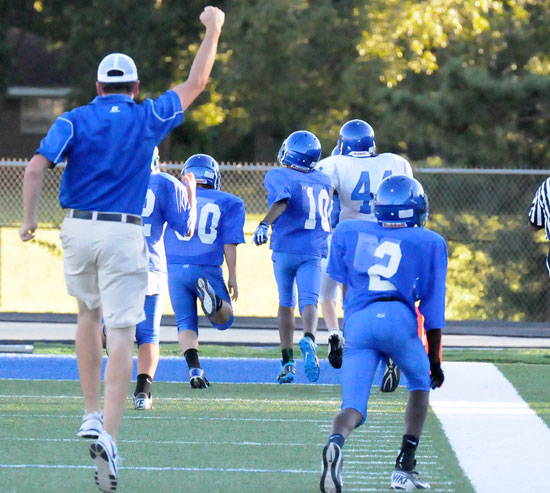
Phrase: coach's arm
x=32 y=187
x=213 y=19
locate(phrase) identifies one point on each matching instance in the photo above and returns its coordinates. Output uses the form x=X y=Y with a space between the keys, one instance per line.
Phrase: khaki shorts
x=106 y=265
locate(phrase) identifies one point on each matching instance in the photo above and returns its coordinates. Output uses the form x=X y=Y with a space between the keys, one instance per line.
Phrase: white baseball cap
x=117 y=67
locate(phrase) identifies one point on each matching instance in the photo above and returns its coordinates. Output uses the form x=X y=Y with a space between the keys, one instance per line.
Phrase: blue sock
x=337 y=438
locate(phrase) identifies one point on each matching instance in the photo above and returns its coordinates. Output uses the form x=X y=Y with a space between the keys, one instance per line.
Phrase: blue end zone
x=170 y=369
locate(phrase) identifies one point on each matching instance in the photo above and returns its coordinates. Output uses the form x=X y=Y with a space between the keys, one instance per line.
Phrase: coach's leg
x=118 y=372
x=89 y=354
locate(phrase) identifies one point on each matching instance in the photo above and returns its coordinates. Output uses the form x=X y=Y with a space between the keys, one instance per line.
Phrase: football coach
x=108 y=145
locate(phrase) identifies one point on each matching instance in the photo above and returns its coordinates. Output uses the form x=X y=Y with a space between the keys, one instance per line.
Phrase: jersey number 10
x=323 y=202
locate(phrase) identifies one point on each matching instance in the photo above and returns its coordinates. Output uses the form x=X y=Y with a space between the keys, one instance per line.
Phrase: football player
x=356 y=170
x=298 y=198
x=195 y=263
x=386 y=267
x=168 y=202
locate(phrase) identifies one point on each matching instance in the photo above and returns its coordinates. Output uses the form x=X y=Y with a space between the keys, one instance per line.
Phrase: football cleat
x=197 y=379
x=336 y=343
x=331 y=476
x=288 y=372
x=207 y=296
x=407 y=481
x=311 y=363
x=143 y=402
x=92 y=425
x=104 y=453
x=390 y=380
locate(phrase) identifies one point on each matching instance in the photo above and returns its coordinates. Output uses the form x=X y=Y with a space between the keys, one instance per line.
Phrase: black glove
x=436 y=375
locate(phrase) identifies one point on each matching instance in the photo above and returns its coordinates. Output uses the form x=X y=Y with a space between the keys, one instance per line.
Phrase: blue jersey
x=108 y=146
x=378 y=263
x=305 y=224
x=220 y=221
x=166 y=203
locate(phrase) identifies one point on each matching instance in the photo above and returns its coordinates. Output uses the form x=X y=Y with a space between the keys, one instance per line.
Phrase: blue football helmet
x=155 y=161
x=400 y=201
x=204 y=168
x=301 y=150
x=335 y=151
x=356 y=139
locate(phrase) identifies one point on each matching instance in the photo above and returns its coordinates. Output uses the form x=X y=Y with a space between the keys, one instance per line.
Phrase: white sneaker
x=331 y=476
x=408 y=481
x=92 y=425
x=104 y=453
x=143 y=402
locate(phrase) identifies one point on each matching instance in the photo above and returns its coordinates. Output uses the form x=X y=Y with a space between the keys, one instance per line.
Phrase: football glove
x=436 y=375
x=261 y=234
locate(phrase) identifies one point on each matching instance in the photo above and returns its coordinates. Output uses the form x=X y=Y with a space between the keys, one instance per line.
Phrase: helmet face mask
x=356 y=139
x=400 y=201
x=301 y=150
x=205 y=169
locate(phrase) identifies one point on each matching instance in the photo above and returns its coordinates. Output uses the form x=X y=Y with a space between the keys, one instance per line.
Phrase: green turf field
x=230 y=438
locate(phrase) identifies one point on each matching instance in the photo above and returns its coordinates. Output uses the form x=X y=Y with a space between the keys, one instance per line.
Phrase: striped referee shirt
x=539 y=215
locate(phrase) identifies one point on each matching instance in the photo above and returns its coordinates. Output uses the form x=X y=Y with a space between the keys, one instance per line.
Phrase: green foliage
x=463 y=83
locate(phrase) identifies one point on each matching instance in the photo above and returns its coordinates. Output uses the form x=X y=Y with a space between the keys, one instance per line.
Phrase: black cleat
x=331 y=477
x=335 y=348
x=390 y=380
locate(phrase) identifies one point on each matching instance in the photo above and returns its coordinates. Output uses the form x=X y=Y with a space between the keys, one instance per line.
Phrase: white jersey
x=357 y=178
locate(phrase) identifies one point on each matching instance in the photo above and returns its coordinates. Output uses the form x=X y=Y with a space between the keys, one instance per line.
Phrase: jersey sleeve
x=57 y=143
x=432 y=304
x=329 y=168
x=233 y=225
x=166 y=113
x=277 y=186
x=337 y=268
x=175 y=204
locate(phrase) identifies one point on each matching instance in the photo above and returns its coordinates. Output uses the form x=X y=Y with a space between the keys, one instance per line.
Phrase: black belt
x=105 y=216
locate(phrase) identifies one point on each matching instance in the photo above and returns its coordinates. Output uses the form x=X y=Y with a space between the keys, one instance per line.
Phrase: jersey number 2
x=385 y=249
x=148 y=209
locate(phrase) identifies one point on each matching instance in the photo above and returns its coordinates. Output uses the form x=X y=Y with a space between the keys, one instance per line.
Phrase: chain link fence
x=496 y=262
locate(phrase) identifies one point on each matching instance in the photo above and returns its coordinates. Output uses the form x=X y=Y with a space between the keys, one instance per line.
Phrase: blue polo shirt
x=108 y=145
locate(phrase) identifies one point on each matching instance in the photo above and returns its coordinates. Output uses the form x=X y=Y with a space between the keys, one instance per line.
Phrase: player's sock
x=192 y=358
x=310 y=335
x=337 y=438
x=406 y=458
x=143 y=384
x=288 y=355
x=219 y=303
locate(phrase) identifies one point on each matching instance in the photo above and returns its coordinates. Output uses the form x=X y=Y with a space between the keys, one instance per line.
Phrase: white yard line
x=177 y=469
x=500 y=442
